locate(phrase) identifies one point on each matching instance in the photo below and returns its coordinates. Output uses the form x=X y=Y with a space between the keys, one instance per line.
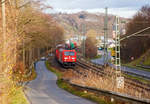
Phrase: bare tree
x=136 y=46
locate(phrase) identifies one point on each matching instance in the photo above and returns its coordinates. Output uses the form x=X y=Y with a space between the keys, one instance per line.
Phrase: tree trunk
x=30 y=57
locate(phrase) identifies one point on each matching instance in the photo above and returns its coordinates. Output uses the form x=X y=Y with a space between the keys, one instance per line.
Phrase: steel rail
x=100 y=72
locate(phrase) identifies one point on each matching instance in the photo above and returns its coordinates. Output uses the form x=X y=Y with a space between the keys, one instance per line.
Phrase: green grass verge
x=136 y=63
x=135 y=67
x=147 y=61
x=97 y=57
x=90 y=96
x=59 y=74
x=17 y=97
x=138 y=78
x=87 y=95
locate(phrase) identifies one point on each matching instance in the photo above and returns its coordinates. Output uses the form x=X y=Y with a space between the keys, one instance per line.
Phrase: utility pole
x=106 y=37
x=23 y=52
x=83 y=46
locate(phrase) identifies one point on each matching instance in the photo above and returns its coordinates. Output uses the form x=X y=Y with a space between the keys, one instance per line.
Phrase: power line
x=134 y=34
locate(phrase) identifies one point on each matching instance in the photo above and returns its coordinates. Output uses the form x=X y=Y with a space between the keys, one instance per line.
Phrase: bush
x=90 y=48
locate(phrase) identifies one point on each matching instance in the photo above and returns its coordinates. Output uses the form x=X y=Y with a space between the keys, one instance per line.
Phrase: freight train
x=66 y=54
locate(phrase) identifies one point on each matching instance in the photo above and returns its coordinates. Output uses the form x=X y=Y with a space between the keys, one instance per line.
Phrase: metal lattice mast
x=117 y=48
x=83 y=45
x=105 y=37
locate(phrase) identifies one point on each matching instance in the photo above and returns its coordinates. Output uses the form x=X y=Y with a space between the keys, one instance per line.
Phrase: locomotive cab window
x=69 y=53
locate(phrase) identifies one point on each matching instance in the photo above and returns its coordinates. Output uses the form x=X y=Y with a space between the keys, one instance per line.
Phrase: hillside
x=73 y=23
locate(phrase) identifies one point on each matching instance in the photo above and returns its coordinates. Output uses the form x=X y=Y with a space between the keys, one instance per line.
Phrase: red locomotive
x=66 y=54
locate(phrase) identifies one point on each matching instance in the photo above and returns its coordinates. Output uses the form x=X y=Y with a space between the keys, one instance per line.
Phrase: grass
x=98 y=56
x=108 y=83
x=83 y=94
x=64 y=85
x=138 y=78
x=17 y=97
x=16 y=94
x=147 y=61
x=136 y=63
x=135 y=67
x=58 y=74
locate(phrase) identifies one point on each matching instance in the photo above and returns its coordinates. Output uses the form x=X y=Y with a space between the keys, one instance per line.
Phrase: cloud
x=124 y=8
x=90 y=4
x=122 y=12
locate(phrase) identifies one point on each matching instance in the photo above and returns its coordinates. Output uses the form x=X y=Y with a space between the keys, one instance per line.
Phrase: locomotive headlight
x=65 y=58
x=73 y=58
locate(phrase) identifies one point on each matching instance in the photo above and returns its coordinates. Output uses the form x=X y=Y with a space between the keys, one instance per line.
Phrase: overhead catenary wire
x=136 y=33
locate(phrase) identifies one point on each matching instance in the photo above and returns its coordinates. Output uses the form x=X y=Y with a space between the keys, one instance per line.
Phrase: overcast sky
x=124 y=8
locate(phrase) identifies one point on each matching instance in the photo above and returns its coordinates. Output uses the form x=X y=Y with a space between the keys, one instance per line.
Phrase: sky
x=123 y=8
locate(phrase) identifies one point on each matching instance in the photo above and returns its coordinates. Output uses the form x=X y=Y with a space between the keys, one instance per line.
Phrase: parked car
x=43 y=58
x=50 y=54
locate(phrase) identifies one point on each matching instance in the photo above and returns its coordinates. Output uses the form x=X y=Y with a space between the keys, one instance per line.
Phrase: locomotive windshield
x=69 y=53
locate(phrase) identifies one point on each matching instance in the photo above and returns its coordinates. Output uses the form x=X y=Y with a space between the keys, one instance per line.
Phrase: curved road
x=43 y=90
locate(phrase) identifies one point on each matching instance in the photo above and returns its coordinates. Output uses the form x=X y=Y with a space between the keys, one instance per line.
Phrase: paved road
x=100 y=61
x=43 y=90
x=141 y=73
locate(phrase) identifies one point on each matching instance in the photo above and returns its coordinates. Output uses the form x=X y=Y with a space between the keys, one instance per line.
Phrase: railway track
x=129 y=83
x=126 y=72
x=99 y=70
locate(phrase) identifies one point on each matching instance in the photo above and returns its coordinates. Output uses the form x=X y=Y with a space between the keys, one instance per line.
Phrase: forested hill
x=73 y=23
